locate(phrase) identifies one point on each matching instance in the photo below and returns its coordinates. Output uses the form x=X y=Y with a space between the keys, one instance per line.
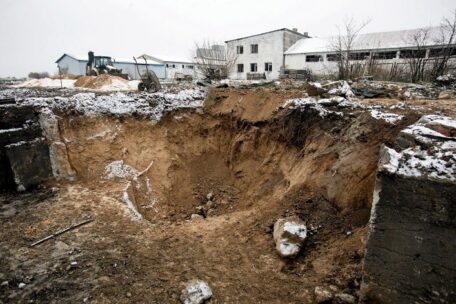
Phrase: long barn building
x=268 y=55
x=76 y=65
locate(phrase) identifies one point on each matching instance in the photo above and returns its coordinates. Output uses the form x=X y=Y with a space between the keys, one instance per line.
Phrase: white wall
x=179 y=67
x=72 y=66
x=130 y=69
x=298 y=62
x=270 y=49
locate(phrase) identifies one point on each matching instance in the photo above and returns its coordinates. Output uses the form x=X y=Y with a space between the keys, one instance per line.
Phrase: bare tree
x=415 y=57
x=37 y=75
x=213 y=60
x=447 y=41
x=344 y=44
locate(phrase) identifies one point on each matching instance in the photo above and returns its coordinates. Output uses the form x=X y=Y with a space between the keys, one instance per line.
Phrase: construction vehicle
x=98 y=65
x=149 y=80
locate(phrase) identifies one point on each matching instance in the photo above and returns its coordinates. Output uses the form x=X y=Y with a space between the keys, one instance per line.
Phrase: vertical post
x=60 y=74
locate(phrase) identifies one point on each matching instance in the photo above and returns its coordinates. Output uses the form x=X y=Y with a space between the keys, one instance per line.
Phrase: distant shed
x=71 y=64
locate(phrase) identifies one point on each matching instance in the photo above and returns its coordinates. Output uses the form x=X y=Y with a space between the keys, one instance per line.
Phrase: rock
x=21 y=285
x=210 y=196
x=289 y=235
x=196 y=217
x=314 y=89
x=4 y=283
x=339 y=88
x=322 y=295
x=60 y=164
x=195 y=292
x=29 y=162
x=446 y=95
x=344 y=298
x=50 y=125
x=210 y=204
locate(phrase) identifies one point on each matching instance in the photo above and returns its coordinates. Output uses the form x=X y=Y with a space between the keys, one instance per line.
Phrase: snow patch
x=390 y=118
x=434 y=158
x=135 y=215
x=310 y=102
x=296 y=229
x=119 y=169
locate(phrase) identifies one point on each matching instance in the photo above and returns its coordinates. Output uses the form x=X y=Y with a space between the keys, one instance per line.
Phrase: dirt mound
x=102 y=82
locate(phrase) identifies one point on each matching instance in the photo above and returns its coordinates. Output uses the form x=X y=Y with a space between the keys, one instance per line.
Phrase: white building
x=261 y=56
x=76 y=65
x=386 y=48
x=175 y=68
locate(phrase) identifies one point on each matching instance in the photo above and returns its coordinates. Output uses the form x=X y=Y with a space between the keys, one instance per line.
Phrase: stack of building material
x=296 y=74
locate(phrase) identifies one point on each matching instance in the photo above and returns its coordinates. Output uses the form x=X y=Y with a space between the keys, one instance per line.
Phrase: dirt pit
x=240 y=163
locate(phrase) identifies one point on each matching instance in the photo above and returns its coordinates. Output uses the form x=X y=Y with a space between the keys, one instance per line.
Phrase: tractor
x=98 y=65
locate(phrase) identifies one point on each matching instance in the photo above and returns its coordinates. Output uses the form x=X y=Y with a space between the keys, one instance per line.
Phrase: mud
x=259 y=161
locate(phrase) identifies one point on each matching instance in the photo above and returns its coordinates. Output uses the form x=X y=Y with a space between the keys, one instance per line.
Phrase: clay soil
x=259 y=163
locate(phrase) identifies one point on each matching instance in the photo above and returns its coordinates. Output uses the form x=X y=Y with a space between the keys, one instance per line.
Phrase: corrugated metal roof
x=116 y=59
x=380 y=40
x=278 y=30
x=167 y=58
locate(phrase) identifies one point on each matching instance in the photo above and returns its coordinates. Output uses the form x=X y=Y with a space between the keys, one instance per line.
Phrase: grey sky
x=34 y=33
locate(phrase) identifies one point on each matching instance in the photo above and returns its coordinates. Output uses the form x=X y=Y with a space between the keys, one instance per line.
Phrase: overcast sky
x=34 y=33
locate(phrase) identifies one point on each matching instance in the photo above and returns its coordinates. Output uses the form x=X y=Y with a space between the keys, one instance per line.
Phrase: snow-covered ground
x=151 y=105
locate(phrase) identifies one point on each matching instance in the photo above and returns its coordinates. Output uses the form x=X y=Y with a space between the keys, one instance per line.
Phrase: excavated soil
x=99 y=82
x=259 y=163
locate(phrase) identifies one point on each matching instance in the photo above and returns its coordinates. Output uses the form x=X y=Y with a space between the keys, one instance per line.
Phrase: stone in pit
x=289 y=236
x=195 y=292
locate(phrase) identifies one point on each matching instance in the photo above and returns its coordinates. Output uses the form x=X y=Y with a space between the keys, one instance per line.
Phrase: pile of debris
x=402 y=91
x=383 y=89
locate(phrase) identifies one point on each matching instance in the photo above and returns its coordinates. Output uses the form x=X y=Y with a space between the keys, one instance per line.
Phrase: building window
x=412 y=54
x=385 y=55
x=442 y=52
x=190 y=67
x=174 y=66
x=359 y=56
x=254 y=48
x=253 y=67
x=167 y=65
x=240 y=68
x=240 y=49
x=332 y=57
x=183 y=66
x=314 y=58
x=268 y=66
x=437 y=52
